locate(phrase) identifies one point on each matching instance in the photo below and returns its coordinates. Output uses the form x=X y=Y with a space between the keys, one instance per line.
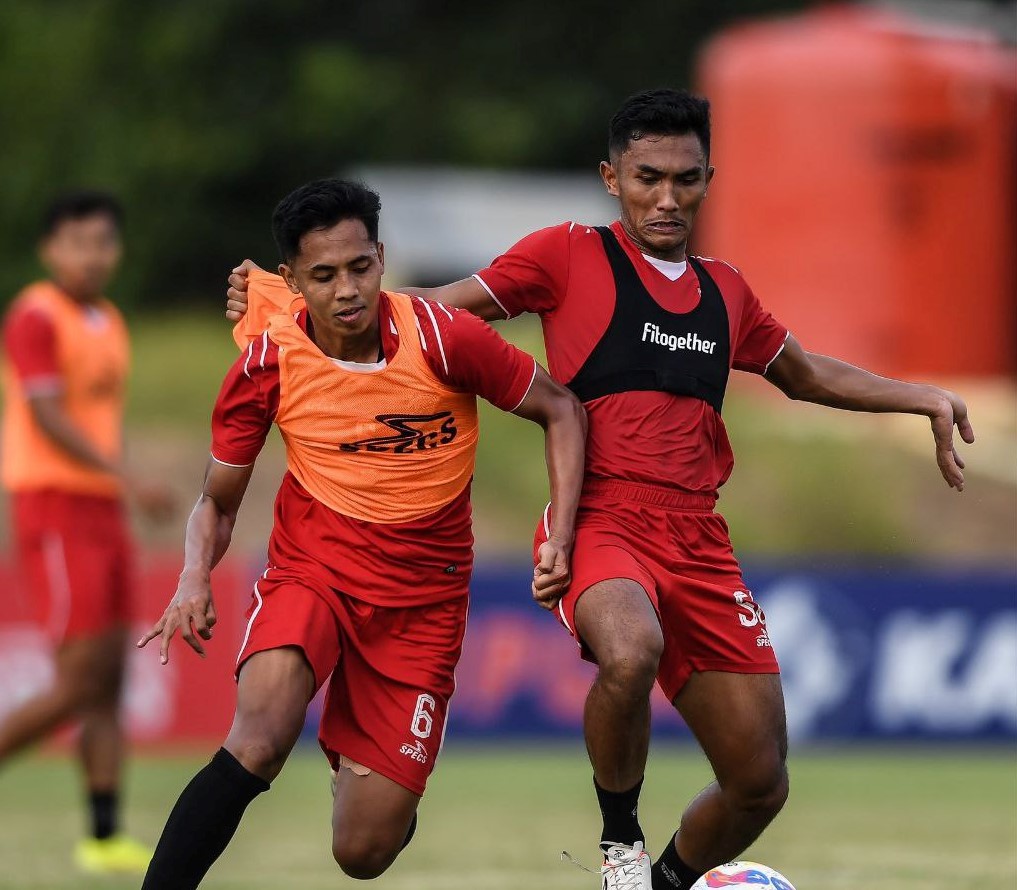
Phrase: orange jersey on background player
x=53 y=344
x=380 y=473
x=73 y=544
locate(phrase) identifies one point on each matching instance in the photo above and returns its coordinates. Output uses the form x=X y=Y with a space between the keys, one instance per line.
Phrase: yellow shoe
x=112 y=855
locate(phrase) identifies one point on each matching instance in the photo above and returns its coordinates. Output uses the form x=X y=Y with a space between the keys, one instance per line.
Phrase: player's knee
x=762 y=792
x=263 y=755
x=363 y=856
x=633 y=663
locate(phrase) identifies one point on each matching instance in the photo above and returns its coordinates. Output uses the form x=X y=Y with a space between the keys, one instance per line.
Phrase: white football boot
x=625 y=868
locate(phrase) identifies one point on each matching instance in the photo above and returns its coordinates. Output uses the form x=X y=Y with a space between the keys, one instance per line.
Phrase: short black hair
x=319 y=205
x=662 y=112
x=80 y=204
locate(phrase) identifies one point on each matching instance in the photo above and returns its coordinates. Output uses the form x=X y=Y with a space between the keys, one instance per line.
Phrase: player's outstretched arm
x=563 y=418
x=468 y=294
x=810 y=377
x=209 y=530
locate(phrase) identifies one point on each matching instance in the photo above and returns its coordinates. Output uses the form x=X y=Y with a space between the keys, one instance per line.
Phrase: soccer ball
x=749 y=875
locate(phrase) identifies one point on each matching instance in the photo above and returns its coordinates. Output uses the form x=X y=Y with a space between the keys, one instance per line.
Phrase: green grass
x=496 y=819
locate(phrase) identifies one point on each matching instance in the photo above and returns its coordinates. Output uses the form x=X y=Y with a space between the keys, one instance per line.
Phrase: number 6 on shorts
x=423 y=716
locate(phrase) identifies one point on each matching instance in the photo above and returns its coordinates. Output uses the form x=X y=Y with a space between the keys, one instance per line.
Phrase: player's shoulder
x=437 y=322
x=31 y=306
x=260 y=359
x=728 y=277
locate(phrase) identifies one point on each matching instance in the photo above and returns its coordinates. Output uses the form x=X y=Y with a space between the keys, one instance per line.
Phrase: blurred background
x=866 y=157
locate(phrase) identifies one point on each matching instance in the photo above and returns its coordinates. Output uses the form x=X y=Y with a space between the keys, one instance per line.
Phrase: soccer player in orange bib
x=371 y=552
x=647 y=336
x=65 y=372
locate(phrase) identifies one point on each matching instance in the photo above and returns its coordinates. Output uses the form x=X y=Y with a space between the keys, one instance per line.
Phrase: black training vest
x=645 y=347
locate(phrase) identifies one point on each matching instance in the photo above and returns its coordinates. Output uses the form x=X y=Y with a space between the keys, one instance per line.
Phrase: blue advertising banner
x=877 y=654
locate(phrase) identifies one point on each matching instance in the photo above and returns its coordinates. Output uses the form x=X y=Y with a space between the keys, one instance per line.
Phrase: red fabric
x=681 y=555
x=392 y=670
x=563 y=274
x=478 y=360
x=77 y=558
x=30 y=342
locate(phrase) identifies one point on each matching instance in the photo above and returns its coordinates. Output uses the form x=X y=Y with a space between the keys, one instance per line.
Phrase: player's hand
x=551 y=575
x=191 y=611
x=950 y=411
x=156 y=500
x=236 y=294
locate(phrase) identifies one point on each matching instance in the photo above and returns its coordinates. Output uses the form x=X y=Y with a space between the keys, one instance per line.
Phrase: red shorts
x=76 y=556
x=392 y=670
x=678 y=550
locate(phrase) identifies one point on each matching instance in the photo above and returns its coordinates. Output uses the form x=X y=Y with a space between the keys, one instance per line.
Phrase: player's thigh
x=273 y=690
x=371 y=815
x=616 y=620
x=89 y=668
x=739 y=721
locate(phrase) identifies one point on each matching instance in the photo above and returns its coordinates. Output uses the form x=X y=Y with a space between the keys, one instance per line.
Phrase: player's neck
x=85 y=299
x=363 y=346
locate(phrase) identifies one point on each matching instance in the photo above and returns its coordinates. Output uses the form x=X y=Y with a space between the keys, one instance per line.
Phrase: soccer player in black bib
x=646 y=336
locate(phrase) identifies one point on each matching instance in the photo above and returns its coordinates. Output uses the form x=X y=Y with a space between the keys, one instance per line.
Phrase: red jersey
x=563 y=274
x=392 y=564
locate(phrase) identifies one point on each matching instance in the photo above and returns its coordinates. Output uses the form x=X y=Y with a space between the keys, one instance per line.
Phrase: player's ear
x=287 y=275
x=610 y=177
x=381 y=257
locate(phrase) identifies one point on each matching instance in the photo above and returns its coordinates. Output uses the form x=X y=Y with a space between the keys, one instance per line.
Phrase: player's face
x=660 y=182
x=338 y=271
x=82 y=254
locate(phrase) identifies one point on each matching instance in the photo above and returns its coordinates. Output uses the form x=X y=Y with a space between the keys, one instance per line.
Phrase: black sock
x=204 y=819
x=670 y=873
x=620 y=812
x=103 y=805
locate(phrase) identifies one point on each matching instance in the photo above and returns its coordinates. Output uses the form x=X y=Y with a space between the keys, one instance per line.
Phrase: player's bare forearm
x=563 y=419
x=828 y=381
x=467 y=293
x=210 y=526
x=209 y=530
x=49 y=414
x=811 y=377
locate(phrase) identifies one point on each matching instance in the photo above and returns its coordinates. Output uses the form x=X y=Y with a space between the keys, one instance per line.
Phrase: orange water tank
x=866 y=186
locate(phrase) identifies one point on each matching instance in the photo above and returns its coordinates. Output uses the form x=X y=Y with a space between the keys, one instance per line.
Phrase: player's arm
x=31 y=346
x=563 y=419
x=468 y=294
x=208 y=535
x=809 y=377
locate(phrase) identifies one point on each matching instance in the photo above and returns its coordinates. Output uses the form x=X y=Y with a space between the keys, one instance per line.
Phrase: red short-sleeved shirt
x=31 y=346
x=563 y=274
x=425 y=560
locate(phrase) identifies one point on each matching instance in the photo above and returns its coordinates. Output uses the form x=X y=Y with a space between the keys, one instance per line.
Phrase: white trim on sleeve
x=490 y=293
x=529 y=386
x=226 y=464
x=437 y=333
x=777 y=353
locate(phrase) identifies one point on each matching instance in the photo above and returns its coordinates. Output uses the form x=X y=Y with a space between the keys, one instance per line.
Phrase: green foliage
x=202 y=115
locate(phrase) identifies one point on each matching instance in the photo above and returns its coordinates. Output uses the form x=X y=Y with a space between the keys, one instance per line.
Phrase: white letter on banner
x=916 y=684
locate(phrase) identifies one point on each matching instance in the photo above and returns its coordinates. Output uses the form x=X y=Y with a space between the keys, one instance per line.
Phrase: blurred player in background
x=65 y=373
x=372 y=548
x=646 y=336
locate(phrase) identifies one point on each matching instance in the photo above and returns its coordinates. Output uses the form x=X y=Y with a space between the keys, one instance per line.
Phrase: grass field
x=496 y=819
